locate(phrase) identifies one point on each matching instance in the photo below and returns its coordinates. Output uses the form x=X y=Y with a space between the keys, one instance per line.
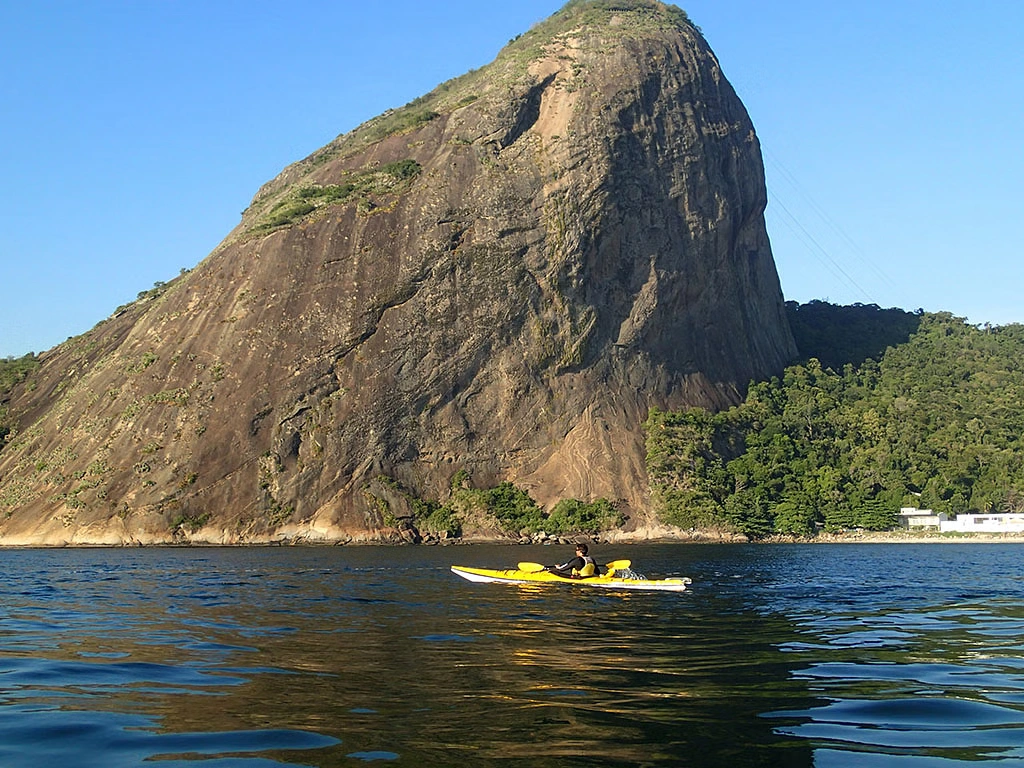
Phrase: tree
x=792 y=517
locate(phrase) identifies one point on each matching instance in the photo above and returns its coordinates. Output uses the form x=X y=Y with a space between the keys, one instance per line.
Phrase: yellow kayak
x=616 y=579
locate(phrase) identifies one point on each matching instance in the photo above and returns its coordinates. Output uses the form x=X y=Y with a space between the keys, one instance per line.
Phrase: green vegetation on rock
x=505 y=507
x=391 y=178
x=575 y=516
x=408 y=118
x=515 y=511
x=13 y=370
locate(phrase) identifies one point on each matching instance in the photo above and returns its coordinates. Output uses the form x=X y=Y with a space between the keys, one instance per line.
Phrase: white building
x=986 y=523
x=913 y=518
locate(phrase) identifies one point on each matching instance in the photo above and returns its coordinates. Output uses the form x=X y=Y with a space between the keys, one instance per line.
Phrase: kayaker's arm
x=566 y=569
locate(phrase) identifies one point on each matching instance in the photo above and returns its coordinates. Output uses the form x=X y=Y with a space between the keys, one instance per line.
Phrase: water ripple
x=778 y=656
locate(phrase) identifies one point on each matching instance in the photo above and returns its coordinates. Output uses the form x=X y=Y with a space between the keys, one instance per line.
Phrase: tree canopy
x=934 y=422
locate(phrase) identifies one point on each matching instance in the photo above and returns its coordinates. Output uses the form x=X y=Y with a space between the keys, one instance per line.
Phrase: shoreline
x=908 y=537
x=652 y=535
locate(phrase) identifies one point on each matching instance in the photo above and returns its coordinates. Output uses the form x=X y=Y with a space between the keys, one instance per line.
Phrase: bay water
x=904 y=655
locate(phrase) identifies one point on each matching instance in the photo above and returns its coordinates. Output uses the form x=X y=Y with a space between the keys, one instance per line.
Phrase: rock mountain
x=501 y=277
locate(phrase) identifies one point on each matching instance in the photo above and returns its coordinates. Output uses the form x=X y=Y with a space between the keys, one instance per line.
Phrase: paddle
x=614 y=565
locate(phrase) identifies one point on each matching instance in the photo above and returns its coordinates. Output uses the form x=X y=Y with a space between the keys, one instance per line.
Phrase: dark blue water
x=866 y=655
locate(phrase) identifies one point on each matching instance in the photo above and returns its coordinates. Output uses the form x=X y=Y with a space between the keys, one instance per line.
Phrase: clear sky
x=134 y=132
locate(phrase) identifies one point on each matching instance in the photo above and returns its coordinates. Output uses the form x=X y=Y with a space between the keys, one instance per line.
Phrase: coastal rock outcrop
x=499 y=278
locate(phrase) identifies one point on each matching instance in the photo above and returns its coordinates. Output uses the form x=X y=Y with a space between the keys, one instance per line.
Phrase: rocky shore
x=650 y=532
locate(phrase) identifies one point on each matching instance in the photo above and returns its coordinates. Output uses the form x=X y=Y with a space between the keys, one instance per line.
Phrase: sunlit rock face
x=502 y=277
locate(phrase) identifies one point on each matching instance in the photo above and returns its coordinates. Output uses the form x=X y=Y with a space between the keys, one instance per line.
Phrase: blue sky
x=135 y=132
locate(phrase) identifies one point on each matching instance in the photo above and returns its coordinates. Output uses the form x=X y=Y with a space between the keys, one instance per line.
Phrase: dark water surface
x=866 y=655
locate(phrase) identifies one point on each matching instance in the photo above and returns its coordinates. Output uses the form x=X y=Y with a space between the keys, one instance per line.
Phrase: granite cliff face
x=501 y=277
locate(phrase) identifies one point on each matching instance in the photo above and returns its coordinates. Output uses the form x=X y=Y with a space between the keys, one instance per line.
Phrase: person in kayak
x=580 y=567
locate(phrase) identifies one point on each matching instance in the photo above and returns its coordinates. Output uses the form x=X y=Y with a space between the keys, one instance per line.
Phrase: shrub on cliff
x=575 y=516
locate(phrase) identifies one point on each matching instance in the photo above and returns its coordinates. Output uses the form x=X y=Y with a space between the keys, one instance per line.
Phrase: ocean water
x=817 y=655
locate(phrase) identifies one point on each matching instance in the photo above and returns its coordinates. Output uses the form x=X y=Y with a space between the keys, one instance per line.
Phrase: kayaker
x=580 y=567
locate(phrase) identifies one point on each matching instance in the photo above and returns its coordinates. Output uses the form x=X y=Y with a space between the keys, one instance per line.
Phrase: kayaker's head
x=581 y=549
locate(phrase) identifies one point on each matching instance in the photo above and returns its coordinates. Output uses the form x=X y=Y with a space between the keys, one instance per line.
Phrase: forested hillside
x=837 y=335
x=934 y=422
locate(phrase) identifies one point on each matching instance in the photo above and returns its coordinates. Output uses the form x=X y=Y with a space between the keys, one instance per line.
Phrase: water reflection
x=540 y=675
